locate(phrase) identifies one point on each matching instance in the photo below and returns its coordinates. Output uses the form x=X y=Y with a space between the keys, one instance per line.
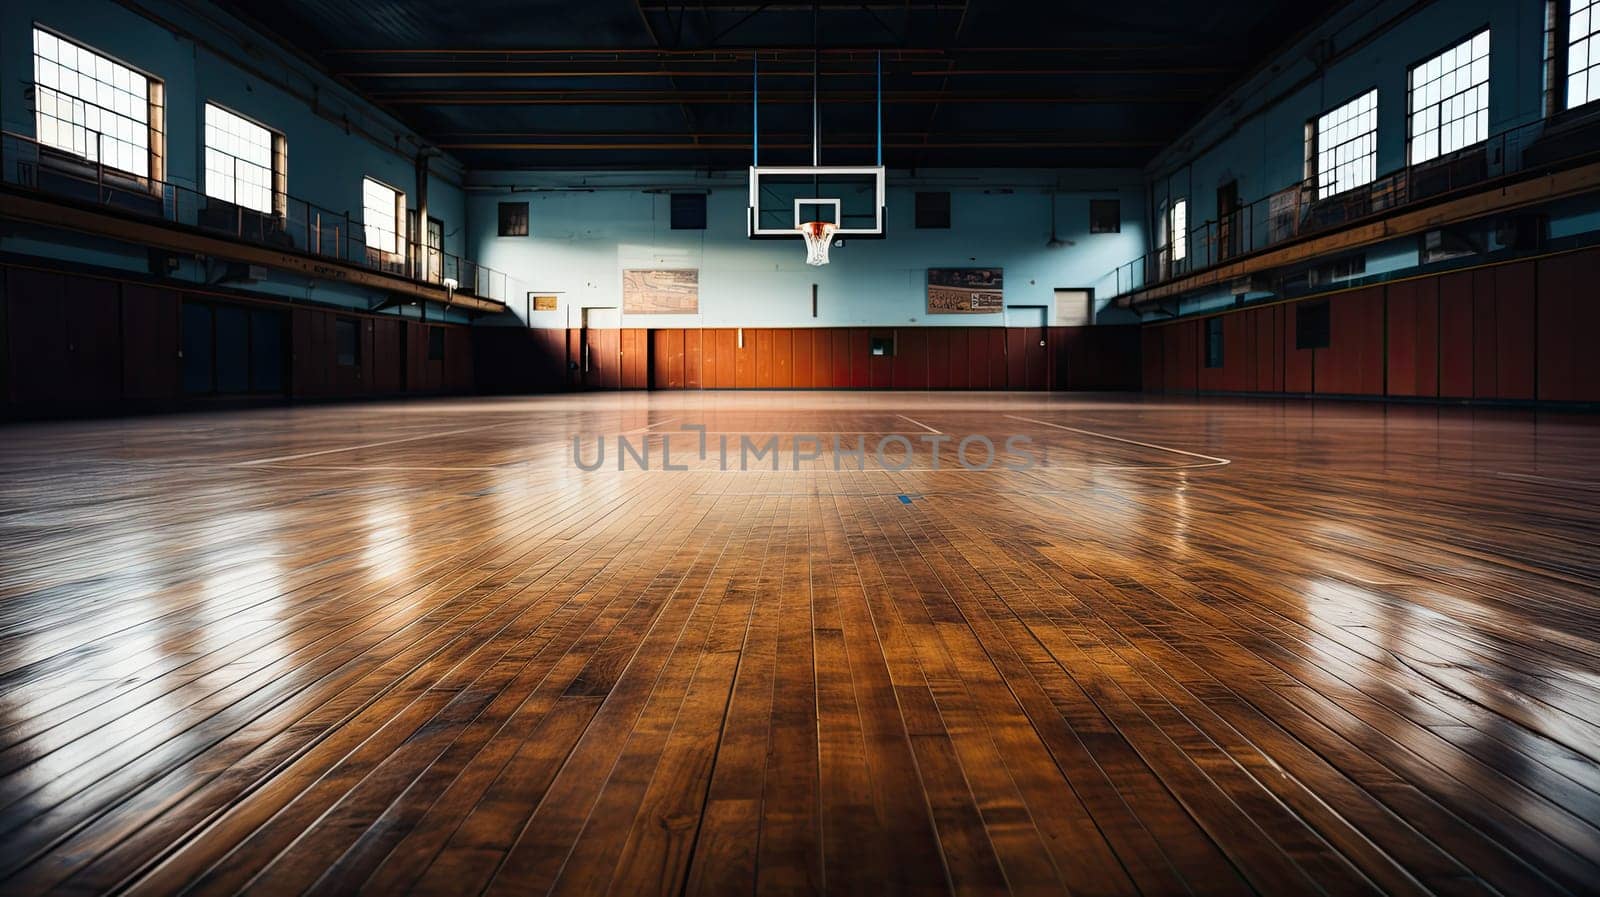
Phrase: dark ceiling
x=660 y=84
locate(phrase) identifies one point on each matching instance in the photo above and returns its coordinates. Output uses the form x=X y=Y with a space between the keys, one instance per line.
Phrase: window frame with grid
x=1580 y=35
x=225 y=138
x=1448 y=111
x=393 y=217
x=129 y=100
x=1353 y=149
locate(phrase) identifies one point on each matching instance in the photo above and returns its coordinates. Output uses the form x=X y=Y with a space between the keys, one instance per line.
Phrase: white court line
x=353 y=448
x=1215 y=462
x=917 y=422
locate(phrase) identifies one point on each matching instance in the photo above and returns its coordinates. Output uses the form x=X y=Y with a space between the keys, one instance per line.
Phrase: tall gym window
x=244 y=161
x=513 y=219
x=95 y=108
x=688 y=211
x=1449 y=99
x=381 y=216
x=1583 y=52
x=1178 y=227
x=1342 y=146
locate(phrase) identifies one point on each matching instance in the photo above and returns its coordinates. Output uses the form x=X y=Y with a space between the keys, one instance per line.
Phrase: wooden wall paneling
x=910 y=368
x=636 y=358
x=1485 y=344
x=843 y=340
x=1352 y=364
x=938 y=357
x=692 y=358
x=804 y=378
x=150 y=363
x=1172 y=364
x=386 y=362
x=822 y=358
x=978 y=364
x=1180 y=359
x=1151 y=356
x=1298 y=364
x=880 y=368
x=763 y=355
x=859 y=357
x=1569 y=316
x=1413 y=338
x=38 y=356
x=745 y=372
x=660 y=378
x=457 y=359
x=1456 y=349
x=997 y=359
x=1016 y=357
x=728 y=352
x=91 y=308
x=1188 y=355
x=1516 y=337
x=677 y=362
x=782 y=341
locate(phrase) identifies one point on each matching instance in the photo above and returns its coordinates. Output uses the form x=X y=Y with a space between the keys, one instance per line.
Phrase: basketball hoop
x=819 y=236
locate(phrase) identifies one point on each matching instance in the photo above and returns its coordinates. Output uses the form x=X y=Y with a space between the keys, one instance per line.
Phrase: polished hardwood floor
x=1203 y=646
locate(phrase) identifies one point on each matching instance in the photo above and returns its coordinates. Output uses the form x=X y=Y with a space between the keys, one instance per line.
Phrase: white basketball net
x=819 y=236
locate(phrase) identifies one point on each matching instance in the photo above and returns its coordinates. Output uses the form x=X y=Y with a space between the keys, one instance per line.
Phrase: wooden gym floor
x=1213 y=647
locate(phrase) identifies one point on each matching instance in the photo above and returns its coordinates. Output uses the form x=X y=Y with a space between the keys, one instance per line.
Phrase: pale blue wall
x=334 y=137
x=585 y=229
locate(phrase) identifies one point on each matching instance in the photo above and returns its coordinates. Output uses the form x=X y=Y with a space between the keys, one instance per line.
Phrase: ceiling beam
x=741 y=97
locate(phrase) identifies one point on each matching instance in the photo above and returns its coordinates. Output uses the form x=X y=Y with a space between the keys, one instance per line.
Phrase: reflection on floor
x=1200 y=646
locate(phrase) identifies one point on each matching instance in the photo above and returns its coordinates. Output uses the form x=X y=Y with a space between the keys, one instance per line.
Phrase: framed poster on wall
x=671 y=291
x=966 y=291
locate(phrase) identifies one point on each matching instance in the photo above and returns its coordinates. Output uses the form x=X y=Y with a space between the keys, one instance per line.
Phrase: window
x=1105 y=216
x=882 y=346
x=1311 y=330
x=1342 y=146
x=688 y=211
x=94 y=108
x=1583 y=53
x=436 y=344
x=1213 y=342
x=240 y=157
x=1449 y=107
x=1178 y=227
x=347 y=342
x=380 y=215
x=933 y=211
x=513 y=219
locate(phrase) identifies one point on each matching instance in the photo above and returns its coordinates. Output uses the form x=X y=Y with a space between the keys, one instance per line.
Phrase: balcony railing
x=1295 y=212
x=294 y=224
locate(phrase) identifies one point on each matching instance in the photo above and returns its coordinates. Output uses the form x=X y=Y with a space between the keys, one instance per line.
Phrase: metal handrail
x=294 y=224
x=1295 y=211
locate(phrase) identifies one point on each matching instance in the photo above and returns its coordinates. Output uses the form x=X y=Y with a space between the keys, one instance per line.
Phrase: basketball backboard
x=783 y=198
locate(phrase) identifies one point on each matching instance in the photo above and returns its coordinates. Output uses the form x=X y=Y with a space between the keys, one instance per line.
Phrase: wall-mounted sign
x=966 y=291
x=544 y=303
x=674 y=291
